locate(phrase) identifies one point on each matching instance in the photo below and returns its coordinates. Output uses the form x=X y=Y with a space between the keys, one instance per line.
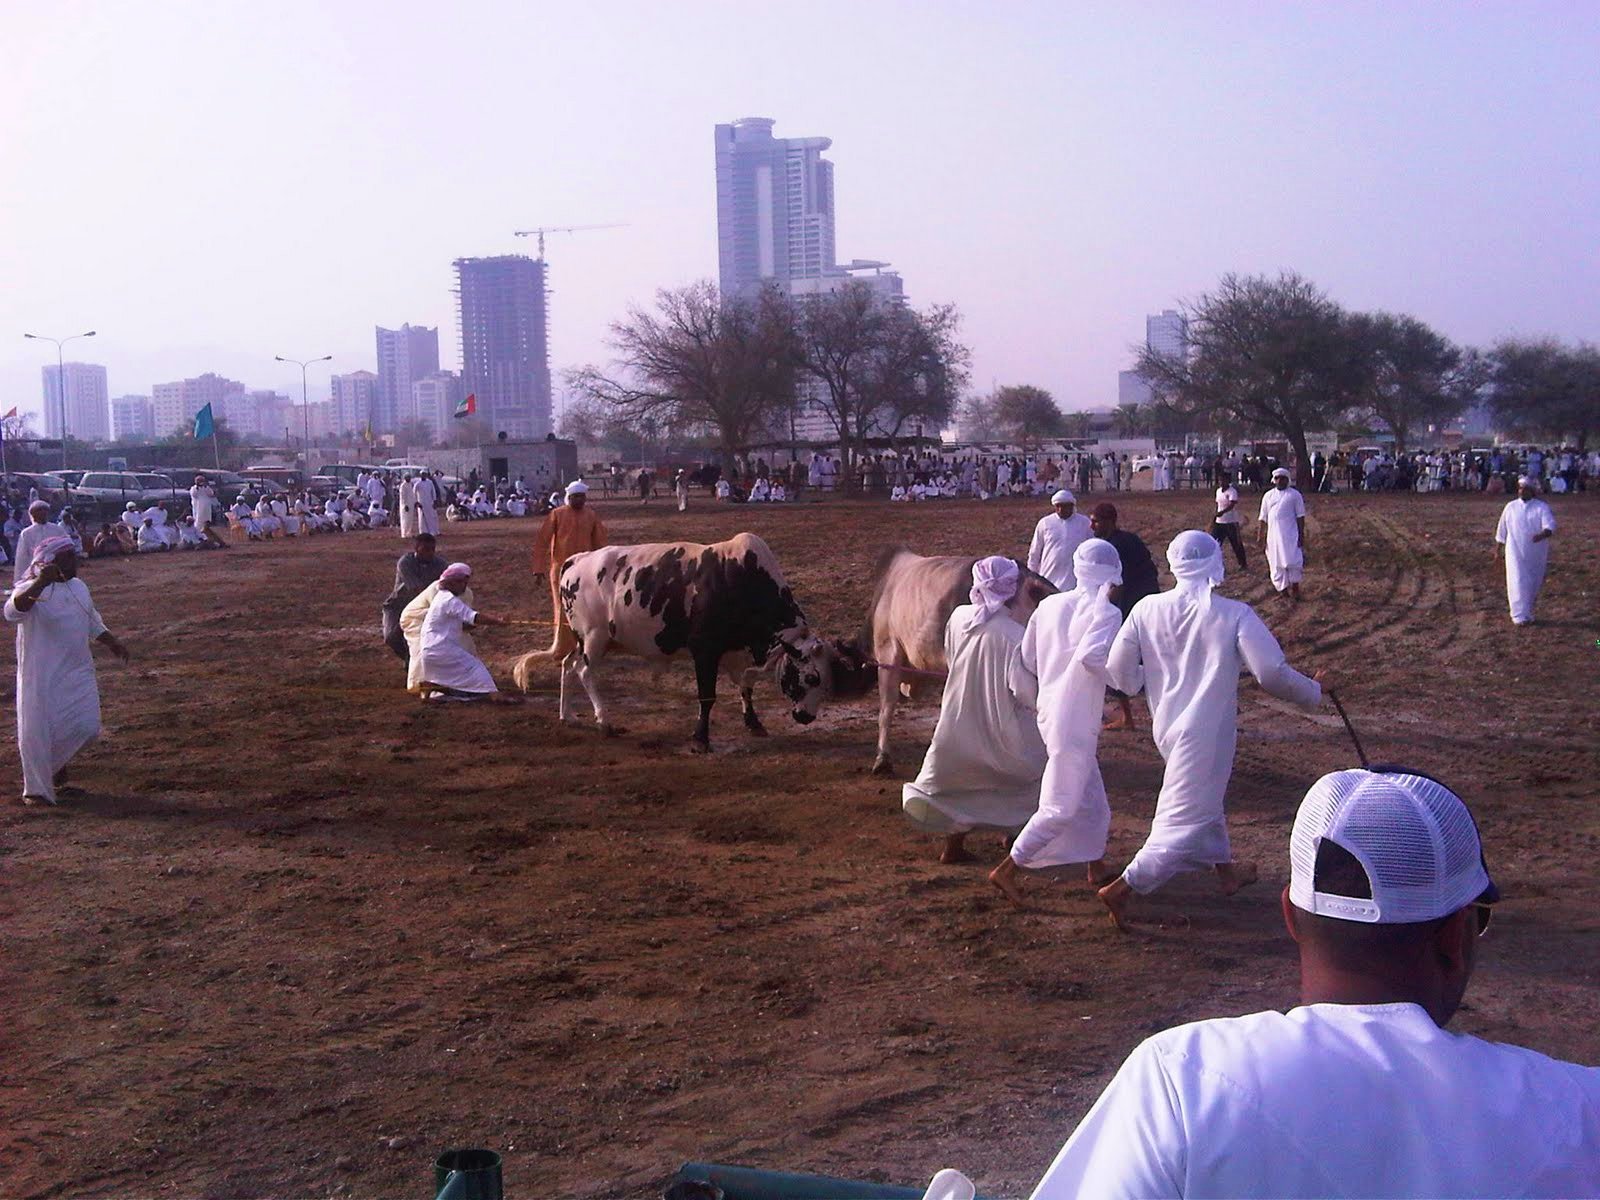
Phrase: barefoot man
x=982 y=769
x=1184 y=648
x=568 y=530
x=1060 y=672
x=449 y=668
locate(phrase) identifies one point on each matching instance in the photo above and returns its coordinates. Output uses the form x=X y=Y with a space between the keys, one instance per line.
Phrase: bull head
x=803 y=670
x=852 y=671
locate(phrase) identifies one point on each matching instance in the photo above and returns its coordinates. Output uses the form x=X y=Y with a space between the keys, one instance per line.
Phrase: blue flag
x=203 y=427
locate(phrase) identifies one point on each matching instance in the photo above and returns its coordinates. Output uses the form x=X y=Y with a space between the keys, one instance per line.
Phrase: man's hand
x=50 y=573
x=1325 y=678
x=118 y=650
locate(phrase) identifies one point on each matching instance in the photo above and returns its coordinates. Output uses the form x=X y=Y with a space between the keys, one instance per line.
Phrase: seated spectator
x=1359 y=1091
x=150 y=537
x=106 y=543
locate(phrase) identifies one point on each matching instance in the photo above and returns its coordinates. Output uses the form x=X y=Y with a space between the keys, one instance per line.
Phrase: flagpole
x=216 y=450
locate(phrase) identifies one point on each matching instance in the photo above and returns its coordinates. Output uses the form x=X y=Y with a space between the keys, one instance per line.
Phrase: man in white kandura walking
x=58 y=697
x=1184 y=648
x=1523 y=540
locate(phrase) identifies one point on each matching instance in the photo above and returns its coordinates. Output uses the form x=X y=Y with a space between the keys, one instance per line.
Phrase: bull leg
x=705 y=677
x=585 y=672
x=747 y=684
x=888 y=699
x=568 y=670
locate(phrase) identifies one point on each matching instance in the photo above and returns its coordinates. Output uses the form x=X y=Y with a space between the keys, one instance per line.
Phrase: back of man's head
x=1388 y=891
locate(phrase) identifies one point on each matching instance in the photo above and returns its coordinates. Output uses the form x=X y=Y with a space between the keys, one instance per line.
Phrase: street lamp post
x=61 y=380
x=305 y=407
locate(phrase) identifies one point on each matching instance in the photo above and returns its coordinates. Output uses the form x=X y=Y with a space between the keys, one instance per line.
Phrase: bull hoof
x=611 y=731
x=883 y=766
x=698 y=747
x=755 y=727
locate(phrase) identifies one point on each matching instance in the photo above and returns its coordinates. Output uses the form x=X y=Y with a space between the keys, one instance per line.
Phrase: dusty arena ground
x=300 y=932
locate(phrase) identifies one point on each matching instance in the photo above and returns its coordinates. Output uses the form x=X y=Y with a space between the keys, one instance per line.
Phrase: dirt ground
x=300 y=932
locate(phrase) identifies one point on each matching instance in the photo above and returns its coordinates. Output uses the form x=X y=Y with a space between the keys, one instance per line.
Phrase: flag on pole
x=203 y=425
x=10 y=414
x=465 y=408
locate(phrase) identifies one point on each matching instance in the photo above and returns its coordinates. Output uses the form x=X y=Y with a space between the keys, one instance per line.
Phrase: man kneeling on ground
x=1359 y=1091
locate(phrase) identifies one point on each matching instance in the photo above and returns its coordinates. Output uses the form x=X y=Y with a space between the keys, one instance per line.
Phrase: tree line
x=1278 y=354
x=739 y=370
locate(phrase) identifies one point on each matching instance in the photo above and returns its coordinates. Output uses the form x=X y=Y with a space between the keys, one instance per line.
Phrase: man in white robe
x=246 y=517
x=1184 y=648
x=1523 y=540
x=427 y=501
x=1283 y=533
x=202 y=502
x=131 y=516
x=449 y=667
x=266 y=518
x=1055 y=538
x=156 y=514
x=40 y=528
x=58 y=697
x=150 y=539
x=983 y=767
x=1059 y=671
x=408 y=507
x=377 y=494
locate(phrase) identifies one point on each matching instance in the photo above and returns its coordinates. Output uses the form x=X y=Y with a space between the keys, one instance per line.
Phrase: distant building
x=174 y=405
x=505 y=354
x=88 y=410
x=809 y=421
x=774 y=207
x=132 y=418
x=433 y=402
x=314 y=420
x=1167 y=334
x=257 y=413
x=1133 y=388
x=405 y=355
x=355 y=403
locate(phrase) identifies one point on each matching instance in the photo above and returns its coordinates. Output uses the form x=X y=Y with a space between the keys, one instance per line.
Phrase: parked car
x=108 y=492
x=325 y=485
x=51 y=488
x=70 y=477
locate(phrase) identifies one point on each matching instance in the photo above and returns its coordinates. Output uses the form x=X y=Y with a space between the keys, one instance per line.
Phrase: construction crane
x=539 y=233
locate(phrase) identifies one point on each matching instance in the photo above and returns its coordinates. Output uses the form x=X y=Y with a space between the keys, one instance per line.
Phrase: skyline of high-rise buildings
x=87 y=406
x=404 y=356
x=504 y=337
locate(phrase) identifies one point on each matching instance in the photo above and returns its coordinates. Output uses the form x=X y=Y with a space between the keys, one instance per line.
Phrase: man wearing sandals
x=58 y=696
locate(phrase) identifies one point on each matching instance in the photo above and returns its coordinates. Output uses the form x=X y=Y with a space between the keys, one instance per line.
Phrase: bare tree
x=977 y=419
x=701 y=363
x=879 y=365
x=1269 y=354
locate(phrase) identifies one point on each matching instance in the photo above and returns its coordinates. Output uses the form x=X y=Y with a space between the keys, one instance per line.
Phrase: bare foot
x=1236 y=875
x=1004 y=877
x=955 y=851
x=1100 y=874
x=1120 y=721
x=504 y=698
x=1115 y=896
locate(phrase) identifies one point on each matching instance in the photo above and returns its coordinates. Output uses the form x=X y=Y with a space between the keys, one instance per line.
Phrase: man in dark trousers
x=1138 y=581
x=416 y=569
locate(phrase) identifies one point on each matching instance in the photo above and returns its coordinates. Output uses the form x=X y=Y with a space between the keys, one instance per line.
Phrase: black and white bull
x=666 y=598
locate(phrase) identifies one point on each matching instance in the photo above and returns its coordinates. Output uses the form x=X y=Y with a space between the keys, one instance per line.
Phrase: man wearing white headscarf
x=40 y=529
x=449 y=668
x=982 y=769
x=1055 y=537
x=1283 y=533
x=1523 y=540
x=426 y=501
x=1184 y=648
x=1059 y=671
x=58 y=697
x=571 y=528
x=407 y=505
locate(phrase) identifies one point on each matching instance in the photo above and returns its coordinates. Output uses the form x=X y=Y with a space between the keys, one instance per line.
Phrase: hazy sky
x=212 y=184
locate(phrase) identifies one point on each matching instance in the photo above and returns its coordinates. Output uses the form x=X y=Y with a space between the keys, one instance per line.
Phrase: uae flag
x=465 y=408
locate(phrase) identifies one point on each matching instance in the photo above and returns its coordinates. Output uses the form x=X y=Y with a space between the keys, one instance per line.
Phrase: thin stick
x=1349 y=728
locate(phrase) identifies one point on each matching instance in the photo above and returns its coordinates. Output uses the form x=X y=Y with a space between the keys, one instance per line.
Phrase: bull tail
x=564 y=644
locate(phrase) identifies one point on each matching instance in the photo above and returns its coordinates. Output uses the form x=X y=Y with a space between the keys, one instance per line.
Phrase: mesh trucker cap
x=1412 y=836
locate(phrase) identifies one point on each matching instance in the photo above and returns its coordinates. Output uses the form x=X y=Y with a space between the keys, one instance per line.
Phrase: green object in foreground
x=747 y=1183
x=467 y=1175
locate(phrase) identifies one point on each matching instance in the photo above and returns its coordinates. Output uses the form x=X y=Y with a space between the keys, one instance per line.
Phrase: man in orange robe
x=568 y=530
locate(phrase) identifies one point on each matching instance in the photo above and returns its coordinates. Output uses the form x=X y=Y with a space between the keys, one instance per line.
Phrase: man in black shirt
x=1138 y=581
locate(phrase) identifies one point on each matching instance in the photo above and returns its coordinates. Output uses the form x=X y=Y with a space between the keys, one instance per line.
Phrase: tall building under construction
x=505 y=350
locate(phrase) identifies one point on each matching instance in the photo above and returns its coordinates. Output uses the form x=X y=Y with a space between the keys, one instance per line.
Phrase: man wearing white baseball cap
x=1523 y=539
x=1055 y=538
x=1359 y=1091
x=571 y=528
